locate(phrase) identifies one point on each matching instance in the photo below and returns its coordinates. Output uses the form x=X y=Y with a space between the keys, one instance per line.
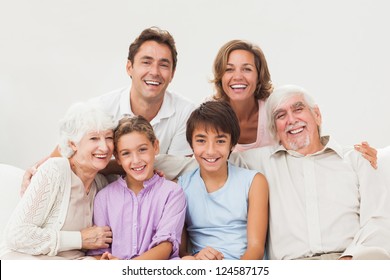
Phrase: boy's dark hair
x=215 y=115
x=154 y=34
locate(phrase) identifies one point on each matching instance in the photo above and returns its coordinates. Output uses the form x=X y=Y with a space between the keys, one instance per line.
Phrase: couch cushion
x=10 y=181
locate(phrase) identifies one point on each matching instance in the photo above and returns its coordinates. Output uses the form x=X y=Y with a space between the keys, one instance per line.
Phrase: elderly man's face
x=297 y=125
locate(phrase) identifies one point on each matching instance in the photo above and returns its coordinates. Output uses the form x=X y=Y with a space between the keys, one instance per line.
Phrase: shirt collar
x=124 y=103
x=327 y=141
x=167 y=107
x=152 y=181
x=147 y=183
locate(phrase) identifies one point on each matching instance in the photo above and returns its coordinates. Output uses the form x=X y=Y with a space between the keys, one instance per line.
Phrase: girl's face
x=94 y=150
x=135 y=153
x=211 y=149
x=240 y=78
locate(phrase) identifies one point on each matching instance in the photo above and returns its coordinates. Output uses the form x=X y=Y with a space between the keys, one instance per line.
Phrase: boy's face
x=135 y=153
x=211 y=149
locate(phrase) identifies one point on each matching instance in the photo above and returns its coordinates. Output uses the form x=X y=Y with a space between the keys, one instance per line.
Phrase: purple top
x=140 y=222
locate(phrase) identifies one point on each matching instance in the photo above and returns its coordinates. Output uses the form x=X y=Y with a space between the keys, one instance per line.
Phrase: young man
x=151 y=65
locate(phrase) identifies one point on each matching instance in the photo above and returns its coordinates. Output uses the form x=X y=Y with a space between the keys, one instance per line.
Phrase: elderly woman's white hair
x=80 y=119
x=279 y=96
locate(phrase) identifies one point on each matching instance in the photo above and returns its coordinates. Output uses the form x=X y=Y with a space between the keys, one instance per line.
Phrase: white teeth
x=295 y=131
x=153 y=83
x=211 y=159
x=238 y=86
x=101 y=156
x=139 y=168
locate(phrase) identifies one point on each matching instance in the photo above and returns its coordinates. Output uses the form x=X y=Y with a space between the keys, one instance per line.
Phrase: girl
x=145 y=211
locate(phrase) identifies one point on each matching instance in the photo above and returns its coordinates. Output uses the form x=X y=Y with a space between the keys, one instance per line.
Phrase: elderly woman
x=53 y=220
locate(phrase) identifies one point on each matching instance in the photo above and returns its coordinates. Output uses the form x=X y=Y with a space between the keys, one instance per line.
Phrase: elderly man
x=326 y=201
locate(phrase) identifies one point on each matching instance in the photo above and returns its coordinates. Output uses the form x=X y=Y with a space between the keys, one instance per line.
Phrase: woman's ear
x=72 y=145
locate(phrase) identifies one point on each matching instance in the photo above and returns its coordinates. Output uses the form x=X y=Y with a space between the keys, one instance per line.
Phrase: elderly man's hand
x=369 y=153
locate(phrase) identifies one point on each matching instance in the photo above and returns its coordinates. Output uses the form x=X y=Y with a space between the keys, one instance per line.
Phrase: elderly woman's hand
x=96 y=237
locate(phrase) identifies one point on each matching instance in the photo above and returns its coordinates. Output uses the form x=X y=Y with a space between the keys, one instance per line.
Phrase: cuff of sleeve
x=170 y=238
x=70 y=240
x=96 y=252
x=348 y=252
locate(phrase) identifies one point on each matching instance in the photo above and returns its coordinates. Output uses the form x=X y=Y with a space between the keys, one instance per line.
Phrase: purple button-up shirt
x=141 y=222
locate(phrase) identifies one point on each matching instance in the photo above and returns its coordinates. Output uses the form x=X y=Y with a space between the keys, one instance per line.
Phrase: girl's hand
x=108 y=256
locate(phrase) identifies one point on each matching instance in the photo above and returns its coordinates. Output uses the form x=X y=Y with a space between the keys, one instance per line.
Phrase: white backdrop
x=54 y=53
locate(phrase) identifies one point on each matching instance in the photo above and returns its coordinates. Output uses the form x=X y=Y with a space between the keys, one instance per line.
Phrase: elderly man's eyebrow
x=278 y=111
x=298 y=104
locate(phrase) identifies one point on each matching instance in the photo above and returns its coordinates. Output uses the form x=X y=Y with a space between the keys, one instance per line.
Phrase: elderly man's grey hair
x=279 y=96
x=80 y=119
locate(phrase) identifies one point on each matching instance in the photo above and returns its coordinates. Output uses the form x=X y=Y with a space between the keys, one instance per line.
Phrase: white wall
x=54 y=53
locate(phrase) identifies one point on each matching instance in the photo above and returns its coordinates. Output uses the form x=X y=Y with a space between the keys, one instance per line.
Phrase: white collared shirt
x=169 y=124
x=330 y=201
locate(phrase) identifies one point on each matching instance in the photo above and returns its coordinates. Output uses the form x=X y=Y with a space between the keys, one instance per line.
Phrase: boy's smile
x=211 y=149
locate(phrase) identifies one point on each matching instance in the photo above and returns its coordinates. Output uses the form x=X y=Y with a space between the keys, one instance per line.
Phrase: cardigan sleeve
x=34 y=227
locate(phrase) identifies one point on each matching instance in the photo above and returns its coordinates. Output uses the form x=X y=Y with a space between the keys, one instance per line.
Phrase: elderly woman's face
x=94 y=150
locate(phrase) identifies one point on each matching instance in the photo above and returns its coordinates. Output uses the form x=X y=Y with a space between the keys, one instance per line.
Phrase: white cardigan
x=35 y=226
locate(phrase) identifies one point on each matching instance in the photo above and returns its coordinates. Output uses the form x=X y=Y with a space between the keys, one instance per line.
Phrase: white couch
x=384 y=163
x=10 y=180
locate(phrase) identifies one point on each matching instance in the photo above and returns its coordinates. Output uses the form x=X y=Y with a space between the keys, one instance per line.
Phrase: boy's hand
x=209 y=253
